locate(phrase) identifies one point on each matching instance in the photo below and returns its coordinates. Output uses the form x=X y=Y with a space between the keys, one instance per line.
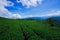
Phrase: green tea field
x=15 y=29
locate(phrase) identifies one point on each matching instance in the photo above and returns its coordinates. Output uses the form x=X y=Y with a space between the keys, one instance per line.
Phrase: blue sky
x=29 y=8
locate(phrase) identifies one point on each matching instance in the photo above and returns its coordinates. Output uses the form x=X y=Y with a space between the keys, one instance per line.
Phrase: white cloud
x=29 y=3
x=53 y=13
x=16 y=16
x=27 y=16
x=6 y=13
x=10 y=3
x=50 y=14
x=6 y=3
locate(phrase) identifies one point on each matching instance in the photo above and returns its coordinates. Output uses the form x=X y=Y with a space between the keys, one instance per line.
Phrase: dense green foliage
x=12 y=29
x=53 y=22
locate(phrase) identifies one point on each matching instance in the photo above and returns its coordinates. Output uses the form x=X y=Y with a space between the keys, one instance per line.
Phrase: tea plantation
x=15 y=29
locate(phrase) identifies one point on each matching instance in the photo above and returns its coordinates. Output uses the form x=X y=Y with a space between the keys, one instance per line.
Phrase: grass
x=12 y=29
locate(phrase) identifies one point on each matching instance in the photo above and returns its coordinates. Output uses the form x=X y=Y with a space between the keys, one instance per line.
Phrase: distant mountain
x=56 y=18
x=40 y=18
x=34 y=18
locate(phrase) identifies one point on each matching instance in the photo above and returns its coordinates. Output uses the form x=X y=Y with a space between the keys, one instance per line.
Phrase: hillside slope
x=13 y=29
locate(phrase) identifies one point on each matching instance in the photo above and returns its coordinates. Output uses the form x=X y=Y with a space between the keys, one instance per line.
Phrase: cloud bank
x=5 y=12
x=46 y=15
x=53 y=13
x=29 y=3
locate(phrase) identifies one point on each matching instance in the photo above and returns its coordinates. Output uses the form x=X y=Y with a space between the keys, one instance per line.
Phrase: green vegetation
x=13 y=29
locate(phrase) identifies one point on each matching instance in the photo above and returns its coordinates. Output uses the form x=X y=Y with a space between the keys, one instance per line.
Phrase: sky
x=29 y=8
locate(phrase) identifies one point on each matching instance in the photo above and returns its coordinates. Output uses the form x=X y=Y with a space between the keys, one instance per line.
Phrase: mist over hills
x=41 y=18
